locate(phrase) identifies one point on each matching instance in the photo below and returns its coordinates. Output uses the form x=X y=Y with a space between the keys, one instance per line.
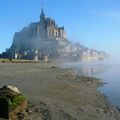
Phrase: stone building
x=48 y=28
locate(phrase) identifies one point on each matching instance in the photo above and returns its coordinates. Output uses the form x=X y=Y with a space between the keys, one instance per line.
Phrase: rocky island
x=45 y=40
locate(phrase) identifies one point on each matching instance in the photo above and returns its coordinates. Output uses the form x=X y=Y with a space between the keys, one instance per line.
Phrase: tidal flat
x=57 y=94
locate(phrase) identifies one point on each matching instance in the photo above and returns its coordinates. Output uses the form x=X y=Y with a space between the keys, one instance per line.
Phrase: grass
x=16 y=101
x=2 y=60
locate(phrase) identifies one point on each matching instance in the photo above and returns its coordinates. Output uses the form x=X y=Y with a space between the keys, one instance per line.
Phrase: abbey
x=48 y=28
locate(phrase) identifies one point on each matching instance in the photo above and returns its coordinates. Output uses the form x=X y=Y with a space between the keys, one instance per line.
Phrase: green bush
x=10 y=59
x=3 y=61
x=16 y=101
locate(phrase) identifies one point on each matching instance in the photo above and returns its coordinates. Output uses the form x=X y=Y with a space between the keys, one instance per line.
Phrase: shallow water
x=109 y=73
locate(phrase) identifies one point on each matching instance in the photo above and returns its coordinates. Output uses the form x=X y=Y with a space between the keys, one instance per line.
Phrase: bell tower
x=42 y=16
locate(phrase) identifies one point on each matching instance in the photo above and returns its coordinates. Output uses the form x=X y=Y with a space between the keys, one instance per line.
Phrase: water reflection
x=91 y=70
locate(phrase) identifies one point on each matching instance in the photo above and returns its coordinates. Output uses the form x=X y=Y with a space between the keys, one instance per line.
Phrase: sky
x=93 y=23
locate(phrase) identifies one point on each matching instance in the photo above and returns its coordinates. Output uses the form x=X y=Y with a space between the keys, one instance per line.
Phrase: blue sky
x=94 y=23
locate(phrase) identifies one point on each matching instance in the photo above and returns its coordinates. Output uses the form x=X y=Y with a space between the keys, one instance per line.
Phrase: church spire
x=42 y=5
x=42 y=16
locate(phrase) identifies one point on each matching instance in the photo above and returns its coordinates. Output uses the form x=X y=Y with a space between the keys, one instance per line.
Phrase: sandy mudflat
x=56 y=94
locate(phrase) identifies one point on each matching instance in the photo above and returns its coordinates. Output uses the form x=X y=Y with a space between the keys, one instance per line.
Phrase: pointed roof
x=42 y=16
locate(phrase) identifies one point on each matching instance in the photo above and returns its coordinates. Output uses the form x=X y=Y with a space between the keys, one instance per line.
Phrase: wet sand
x=56 y=94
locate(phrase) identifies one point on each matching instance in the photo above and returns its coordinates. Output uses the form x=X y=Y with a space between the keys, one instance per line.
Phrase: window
x=52 y=33
x=56 y=34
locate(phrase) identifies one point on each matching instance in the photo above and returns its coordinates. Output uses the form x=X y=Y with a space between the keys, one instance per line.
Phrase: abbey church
x=48 y=28
x=45 y=39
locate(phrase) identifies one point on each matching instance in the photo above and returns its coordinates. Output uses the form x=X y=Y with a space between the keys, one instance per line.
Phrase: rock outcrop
x=12 y=102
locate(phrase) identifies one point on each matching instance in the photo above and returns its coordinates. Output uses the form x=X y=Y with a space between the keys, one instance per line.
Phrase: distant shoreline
x=18 y=61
